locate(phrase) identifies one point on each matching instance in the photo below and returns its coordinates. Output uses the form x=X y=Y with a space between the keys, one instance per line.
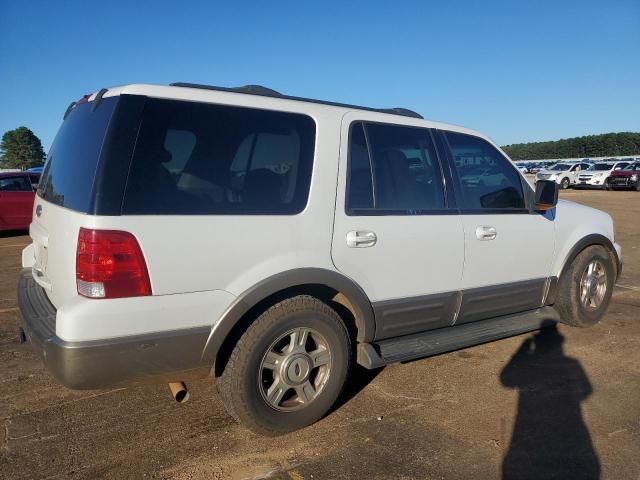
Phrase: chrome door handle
x=486 y=233
x=361 y=239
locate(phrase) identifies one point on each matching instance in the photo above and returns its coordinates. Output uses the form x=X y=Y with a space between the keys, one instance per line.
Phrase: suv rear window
x=195 y=158
x=71 y=165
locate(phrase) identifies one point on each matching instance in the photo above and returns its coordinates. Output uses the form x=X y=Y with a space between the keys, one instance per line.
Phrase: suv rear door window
x=393 y=170
x=487 y=179
x=195 y=158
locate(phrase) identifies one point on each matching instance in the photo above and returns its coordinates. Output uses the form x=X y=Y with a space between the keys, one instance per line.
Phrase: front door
x=394 y=234
x=509 y=248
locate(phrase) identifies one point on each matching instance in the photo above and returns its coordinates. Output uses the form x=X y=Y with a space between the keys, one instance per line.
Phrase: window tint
x=487 y=179
x=401 y=176
x=15 y=184
x=71 y=165
x=193 y=158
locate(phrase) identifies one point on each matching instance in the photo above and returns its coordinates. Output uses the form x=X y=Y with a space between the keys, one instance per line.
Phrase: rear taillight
x=110 y=264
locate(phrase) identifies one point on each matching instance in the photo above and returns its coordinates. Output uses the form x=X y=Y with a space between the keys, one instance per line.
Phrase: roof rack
x=268 y=92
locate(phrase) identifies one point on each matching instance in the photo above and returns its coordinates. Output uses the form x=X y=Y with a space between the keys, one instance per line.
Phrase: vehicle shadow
x=550 y=438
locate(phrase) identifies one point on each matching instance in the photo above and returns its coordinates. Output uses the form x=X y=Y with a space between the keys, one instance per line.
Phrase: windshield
x=633 y=166
x=560 y=167
x=601 y=166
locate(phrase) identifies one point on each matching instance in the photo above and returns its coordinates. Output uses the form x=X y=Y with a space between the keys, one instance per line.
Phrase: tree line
x=607 y=144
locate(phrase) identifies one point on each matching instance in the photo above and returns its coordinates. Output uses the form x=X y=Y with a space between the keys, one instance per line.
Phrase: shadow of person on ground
x=550 y=438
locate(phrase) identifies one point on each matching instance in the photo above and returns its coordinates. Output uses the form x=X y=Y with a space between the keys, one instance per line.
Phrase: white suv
x=272 y=241
x=597 y=176
x=565 y=174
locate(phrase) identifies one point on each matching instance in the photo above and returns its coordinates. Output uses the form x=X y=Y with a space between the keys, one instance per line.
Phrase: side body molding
x=301 y=277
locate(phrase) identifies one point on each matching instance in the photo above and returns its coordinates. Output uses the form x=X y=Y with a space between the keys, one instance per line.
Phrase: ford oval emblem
x=38 y=211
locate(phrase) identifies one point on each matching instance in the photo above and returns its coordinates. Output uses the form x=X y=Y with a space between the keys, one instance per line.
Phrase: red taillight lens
x=110 y=264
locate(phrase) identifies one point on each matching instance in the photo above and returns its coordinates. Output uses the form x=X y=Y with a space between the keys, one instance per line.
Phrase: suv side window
x=196 y=158
x=487 y=179
x=15 y=184
x=392 y=170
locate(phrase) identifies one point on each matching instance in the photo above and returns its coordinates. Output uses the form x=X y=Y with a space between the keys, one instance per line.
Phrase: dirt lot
x=561 y=404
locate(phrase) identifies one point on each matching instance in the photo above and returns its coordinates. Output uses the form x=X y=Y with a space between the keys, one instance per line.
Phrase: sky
x=516 y=70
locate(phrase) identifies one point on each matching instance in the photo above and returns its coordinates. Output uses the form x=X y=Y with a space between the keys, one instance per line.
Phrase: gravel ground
x=558 y=404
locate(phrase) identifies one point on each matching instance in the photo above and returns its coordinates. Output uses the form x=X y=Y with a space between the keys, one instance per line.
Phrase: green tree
x=20 y=148
x=614 y=144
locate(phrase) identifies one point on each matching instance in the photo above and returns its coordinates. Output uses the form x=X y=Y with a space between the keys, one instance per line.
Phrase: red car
x=17 y=192
x=629 y=177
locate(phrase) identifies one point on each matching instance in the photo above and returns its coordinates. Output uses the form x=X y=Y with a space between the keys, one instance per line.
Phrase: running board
x=434 y=342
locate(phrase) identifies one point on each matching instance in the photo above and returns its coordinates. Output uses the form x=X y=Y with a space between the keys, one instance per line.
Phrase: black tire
x=607 y=185
x=565 y=183
x=241 y=383
x=569 y=305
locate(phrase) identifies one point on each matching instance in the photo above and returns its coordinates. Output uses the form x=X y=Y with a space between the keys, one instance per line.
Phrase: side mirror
x=546 y=195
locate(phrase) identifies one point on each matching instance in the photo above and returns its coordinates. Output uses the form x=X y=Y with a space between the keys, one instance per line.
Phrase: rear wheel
x=585 y=289
x=565 y=183
x=288 y=368
x=607 y=185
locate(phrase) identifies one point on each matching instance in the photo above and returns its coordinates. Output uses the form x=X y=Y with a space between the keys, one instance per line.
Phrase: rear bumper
x=104 y=363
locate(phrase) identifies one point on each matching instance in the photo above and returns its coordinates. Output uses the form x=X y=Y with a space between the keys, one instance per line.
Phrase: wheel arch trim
x=301 y=277
x=587 y=241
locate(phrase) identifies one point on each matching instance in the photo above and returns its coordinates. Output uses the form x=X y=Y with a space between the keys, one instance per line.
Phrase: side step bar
x=434 y=342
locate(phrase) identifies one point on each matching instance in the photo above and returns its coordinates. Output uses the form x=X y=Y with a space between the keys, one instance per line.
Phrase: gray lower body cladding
x=412 y=328
x=102 y=363
x=406 y=316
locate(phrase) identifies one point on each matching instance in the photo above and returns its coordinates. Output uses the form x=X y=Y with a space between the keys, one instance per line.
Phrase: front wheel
x=607 y=185
x=565 y=183
x=585 y=289
x=288 y=368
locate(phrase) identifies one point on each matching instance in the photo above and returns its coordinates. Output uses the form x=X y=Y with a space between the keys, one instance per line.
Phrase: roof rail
x=268 y=92
x=248 y=89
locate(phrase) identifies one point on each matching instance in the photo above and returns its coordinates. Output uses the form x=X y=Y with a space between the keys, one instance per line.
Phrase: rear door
x=395 y=233
x=508 y=248
x=16 y=202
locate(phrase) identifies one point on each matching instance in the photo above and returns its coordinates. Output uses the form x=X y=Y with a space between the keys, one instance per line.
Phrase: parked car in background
x=598 y=175
x=34 y=170
x=16 y=199
x=535 y=167
x=627 y=178
x=564 y=174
